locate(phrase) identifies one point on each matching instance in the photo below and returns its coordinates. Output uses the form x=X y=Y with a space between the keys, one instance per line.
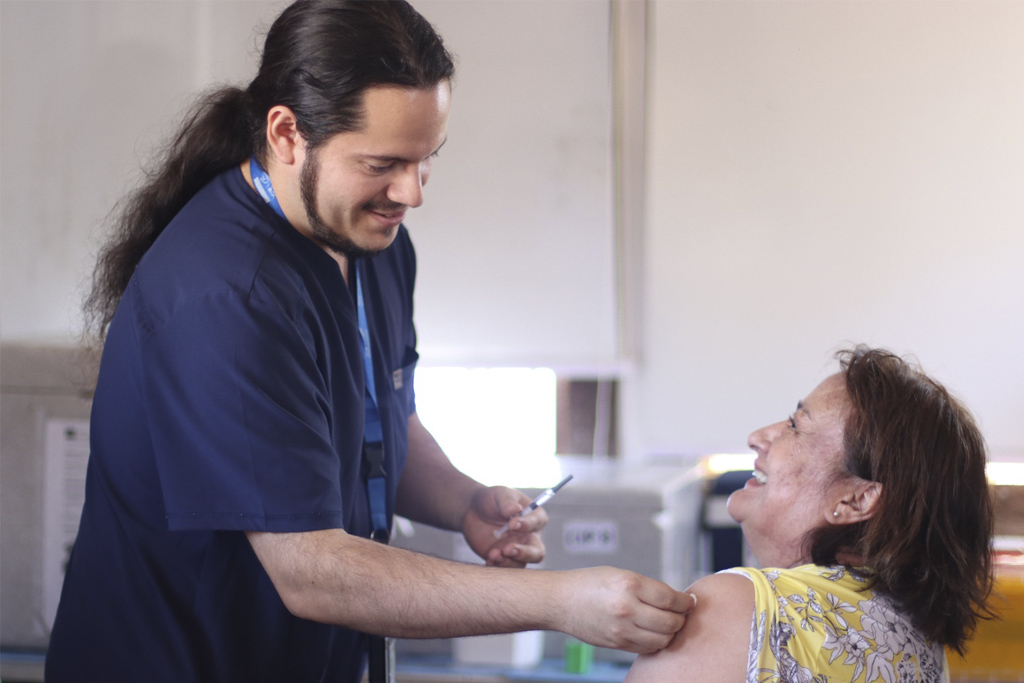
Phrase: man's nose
x=408 y=187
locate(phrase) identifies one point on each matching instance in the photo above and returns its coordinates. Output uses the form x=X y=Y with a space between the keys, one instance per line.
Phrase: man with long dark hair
x=254 y=425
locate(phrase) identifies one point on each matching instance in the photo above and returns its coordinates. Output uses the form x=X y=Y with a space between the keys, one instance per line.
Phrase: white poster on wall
x=67 y=454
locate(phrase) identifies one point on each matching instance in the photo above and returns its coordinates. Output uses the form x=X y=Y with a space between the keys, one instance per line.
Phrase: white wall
x=524 y=180
x=514 y=241
x=88 y=89
x=823 y=173
x=818 y=172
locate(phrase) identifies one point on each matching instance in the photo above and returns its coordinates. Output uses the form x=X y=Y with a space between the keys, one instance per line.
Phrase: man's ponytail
x=216 y=134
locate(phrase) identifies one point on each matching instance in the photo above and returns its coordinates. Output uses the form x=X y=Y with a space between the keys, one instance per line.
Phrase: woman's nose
x=760 y=440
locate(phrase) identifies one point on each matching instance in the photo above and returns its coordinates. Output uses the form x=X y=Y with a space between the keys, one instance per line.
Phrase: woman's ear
x=858 y=503
x=284 y=142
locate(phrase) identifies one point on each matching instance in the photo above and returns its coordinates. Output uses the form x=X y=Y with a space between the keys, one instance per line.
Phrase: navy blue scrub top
x=230 y=398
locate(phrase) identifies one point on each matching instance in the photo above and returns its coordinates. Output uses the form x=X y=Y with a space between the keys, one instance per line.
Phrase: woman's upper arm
x=713 y=644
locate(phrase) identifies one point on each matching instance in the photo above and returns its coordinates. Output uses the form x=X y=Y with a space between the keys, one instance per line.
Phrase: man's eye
x=792 y=423
x=374 y=168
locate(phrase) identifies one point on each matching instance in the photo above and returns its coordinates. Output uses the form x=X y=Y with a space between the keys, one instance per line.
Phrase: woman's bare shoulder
x=713 y=644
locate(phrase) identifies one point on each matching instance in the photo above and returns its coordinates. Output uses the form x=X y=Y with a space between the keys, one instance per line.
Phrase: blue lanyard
x=261 y=180
x=373 y=436
x=372 y=431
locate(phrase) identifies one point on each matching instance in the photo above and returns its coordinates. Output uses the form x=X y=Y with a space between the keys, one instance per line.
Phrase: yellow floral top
x=818 y=624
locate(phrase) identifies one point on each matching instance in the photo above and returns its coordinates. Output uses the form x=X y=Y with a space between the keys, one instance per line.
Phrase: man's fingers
x=661 y=621
x=529 y=523
x=663 y=615
x=509 y=501
x=659 y=595
x=634 y=613
x=528 y=553
x=653 y=630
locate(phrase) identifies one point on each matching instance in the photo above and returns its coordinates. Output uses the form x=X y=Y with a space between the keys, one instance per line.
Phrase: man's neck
x=340 y=259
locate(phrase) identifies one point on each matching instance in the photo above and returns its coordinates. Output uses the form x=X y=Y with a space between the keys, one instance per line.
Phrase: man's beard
x=308 y=181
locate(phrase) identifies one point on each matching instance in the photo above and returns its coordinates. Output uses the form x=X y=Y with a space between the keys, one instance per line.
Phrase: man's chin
x=353 y=250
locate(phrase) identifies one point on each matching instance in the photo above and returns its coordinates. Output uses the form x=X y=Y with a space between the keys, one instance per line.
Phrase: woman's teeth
x=761 y=477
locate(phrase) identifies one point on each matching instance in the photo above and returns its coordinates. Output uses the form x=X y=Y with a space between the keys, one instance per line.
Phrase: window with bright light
x=498 y=425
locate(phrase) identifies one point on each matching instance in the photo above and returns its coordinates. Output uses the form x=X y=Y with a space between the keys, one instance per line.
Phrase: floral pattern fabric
x=820 y=625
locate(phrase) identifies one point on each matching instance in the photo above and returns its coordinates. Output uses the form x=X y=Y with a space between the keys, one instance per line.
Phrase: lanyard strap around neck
x=261 y=181
x=372 y=432
x=373 y=436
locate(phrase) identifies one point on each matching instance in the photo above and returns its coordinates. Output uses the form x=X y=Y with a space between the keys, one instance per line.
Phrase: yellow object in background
x=996 y=652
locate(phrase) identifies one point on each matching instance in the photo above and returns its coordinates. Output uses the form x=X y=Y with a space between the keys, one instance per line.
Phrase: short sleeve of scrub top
x=239 y=419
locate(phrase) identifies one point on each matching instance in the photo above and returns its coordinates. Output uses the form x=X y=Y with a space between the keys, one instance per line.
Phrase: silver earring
x=835 y=513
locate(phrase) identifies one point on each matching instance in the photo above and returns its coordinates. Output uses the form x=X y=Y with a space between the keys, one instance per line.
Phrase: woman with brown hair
x=869 y=513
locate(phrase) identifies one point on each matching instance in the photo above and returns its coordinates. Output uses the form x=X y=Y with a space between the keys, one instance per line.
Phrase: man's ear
x=284 y=142
x=858 y=503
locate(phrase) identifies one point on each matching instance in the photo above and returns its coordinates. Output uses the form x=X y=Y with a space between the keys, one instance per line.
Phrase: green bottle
x=579 y=656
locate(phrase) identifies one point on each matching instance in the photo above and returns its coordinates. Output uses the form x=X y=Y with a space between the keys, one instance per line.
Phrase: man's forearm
x=332 y=577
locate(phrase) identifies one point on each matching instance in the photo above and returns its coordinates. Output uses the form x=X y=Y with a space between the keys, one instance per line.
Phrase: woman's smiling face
x=793 y=489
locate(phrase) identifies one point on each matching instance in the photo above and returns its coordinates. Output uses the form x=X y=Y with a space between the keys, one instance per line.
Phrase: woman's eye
x=792 y=423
